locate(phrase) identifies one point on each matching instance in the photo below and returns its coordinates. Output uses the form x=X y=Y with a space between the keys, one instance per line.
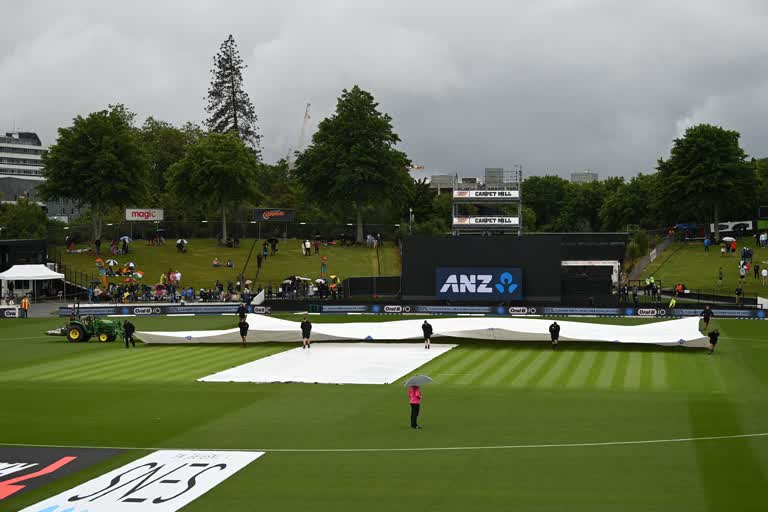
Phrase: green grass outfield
x=197 y=271
x=689 y=264
x=486 y=395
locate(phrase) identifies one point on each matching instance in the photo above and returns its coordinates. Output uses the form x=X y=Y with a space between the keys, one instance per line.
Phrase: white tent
x=28 y=273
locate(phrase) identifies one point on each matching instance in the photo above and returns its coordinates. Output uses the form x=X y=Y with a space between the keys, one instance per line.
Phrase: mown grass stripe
x=211 y=362
x=446 y=359
x=563 y=361
x=522 y=378
x=500 y=359
x=133 y=363
x=584 y=369
x=577 y=356
x=621 y=369
x=492 y=357
x=552 y=359
x=607 y=370
x=450 y=373
x=633 y=372
x=512 y=364
x=646 y=381
x=108 y=359
x=659 y=378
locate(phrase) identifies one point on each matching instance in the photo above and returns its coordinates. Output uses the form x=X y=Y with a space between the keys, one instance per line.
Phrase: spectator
x=216 y=262
x=259 y=261
x=706 y=245
x=764 y=273
x=323 y=266
x=24 y=309
x=739 y=295
x=723 y=249
x=733 y=247
x=720 y=277
x=307 y=248
x=317 y=246
x=230 y=264
x=265 y=251
x=97 y=245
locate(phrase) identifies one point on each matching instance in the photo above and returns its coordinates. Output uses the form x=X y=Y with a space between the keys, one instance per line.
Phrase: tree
x=97 y=162
x=545 y=195
x=633 y=203
x=706 y=170
x=24 y=219
x=164 y=145
x=229 y=107
x=218 y=172
x=352 y=161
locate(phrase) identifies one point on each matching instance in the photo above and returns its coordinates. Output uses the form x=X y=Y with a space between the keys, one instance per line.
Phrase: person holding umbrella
x=306 y=330
x=414 y=396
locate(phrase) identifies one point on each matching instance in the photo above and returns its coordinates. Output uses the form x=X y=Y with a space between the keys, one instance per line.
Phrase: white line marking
x=422 y=449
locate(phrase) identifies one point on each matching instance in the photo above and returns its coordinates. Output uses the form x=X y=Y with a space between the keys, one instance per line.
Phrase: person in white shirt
x=764 y=273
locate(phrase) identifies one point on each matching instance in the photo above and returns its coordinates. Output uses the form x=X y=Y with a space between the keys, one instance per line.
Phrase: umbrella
x=129 y=280
x=320 y=281
x=112 y=263
x=287 y=281
x=138 y=274
x=417 y=380
x=126 y=238
x=299 y=278
x=159 y=230
x=160 y=286
x=181 y=241
x=248 y=281
x=728 y=239
x=131 y=264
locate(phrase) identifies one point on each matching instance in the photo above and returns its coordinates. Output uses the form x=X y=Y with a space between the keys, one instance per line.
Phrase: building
x=584 y=177
x=442 y=182
x=495 y=208
x=21 y=171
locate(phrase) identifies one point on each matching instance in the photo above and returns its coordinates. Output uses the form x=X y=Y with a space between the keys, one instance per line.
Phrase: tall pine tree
x=229 y=107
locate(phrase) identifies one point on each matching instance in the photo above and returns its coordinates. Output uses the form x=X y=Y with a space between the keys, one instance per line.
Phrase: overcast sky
x=553 y=85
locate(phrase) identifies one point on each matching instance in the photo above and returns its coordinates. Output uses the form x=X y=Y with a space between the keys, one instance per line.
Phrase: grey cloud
x=555 y=86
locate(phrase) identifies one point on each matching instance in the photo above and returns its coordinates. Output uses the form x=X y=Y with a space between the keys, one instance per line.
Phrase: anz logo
x=479 y=283
x=461 y=283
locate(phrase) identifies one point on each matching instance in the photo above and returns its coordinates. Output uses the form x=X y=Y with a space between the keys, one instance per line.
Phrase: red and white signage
x=486 y=221
x=143 y=214
x=486 y=194
x=163 y=481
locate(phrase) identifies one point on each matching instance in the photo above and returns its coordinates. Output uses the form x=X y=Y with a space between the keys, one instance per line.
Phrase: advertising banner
x=273 y=215
x=163 y=481
x=27 y=467
x=497 y=284
x=159 y=309
x=143 y=214
x=9 y=311
x=486 y=221
x=486 y=194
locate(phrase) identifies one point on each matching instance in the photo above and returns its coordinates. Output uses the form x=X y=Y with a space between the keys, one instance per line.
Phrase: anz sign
x=497 y=284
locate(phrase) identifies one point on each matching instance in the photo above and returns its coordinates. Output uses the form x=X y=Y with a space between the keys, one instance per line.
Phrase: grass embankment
x=698 y=270
x=197 y=271
x=485 y=394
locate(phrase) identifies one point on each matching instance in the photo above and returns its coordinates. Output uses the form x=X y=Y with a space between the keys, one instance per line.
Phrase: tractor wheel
x=75 y=333
x=103 y=337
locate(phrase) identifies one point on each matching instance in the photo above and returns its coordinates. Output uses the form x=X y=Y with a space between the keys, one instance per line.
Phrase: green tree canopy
x=164 y=145
x=218 y=172
x=352 y=162
x=98 y=163
x=24 y=219
x=705 y=171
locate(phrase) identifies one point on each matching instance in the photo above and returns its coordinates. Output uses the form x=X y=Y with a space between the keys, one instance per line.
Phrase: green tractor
x=81 y=329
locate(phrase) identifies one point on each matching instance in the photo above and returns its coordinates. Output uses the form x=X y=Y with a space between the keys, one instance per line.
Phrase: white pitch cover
x=163 y=481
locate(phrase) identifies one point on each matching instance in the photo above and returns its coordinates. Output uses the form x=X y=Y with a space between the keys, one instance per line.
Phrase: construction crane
x=302 y=134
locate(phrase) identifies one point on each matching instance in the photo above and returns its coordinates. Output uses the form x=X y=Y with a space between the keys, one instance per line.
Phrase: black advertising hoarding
x=273 y=215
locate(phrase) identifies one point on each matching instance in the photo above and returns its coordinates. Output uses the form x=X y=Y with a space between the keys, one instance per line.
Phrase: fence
x=172 y=230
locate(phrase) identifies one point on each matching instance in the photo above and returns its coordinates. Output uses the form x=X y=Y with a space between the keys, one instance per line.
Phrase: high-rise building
x=584 y=177
x=21 y=171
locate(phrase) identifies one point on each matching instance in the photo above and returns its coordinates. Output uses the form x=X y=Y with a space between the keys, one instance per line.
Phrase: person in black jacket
x=306 y=330
x=713 y=340
x=128 y=330
x=241 y=310
x=427 y=330
x=243 y=325
x=707 y=314
x=554 y=333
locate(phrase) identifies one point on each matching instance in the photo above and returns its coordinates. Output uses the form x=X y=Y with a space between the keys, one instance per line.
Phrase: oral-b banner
x=486 y=221
x=164 y=481
x=497 y=284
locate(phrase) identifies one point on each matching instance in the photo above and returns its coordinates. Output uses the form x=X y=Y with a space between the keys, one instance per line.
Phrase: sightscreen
x=537 y=257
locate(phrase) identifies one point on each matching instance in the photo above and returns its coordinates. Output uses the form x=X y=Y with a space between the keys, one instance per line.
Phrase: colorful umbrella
x=129 y=280
x=112 y=263
x=138 y=274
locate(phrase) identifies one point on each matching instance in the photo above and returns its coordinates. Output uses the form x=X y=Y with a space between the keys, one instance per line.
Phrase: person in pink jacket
x=414 y=394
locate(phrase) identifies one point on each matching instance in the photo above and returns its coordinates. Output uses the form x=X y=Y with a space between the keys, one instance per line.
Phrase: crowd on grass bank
x=131 y=286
